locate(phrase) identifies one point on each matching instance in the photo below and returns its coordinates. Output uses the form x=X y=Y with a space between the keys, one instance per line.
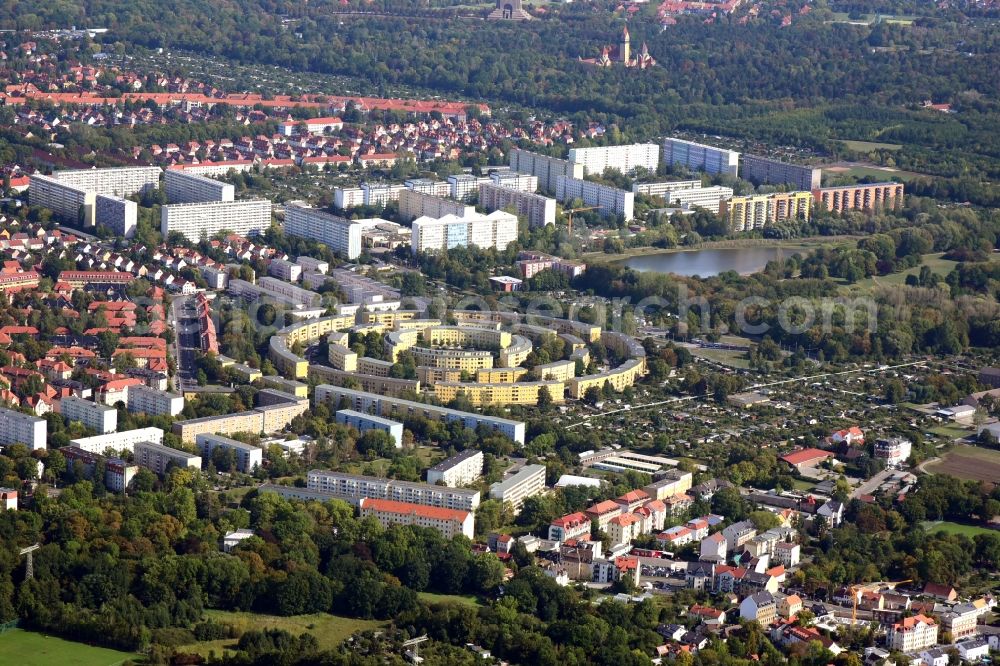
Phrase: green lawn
x=935 y=262
x=730 y=357
x=867 y=146
x=956 y=528
x=951 y=431
x=876 y=172
x=803 y=484
x=29 y=648
x=432 y=598
x=330 y=630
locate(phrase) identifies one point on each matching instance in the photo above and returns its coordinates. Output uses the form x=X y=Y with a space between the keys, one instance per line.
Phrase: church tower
x=624 y=52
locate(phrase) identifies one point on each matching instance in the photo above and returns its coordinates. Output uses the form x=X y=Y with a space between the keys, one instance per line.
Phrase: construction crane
x=414 y=643
x=858 y=590
x=569 y=213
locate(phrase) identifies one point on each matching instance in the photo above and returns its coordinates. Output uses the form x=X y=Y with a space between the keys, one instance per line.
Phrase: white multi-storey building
x=364 y=422
x=156 y=457
x=184 y=187
x=459 y=470
x=313 y=265
x=18 y=428
x=893 y=450
x=610 y=200
x=146 y=400
x=463 y=186
x=338 y=233
x=95 y=416
x=435 y=188
x=380 y=194
x=709 y=198
x=538 y=210
x=277 y=289
x=353 y=486
x=548 y=169
x=118 y=214
x=414 y=204
x=248 y=457
x=118 y=181
x=284 y=270
x=118 y=441
x=494 y=230
x=660 y=188
x=625 y=159
x=203 y=220
x=699 y=157
x=912 y=633
x=65 y=200
x=525 y=483
x=516 y=181
x=348 y=197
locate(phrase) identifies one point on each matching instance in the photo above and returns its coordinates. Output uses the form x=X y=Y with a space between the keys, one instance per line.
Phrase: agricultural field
x=330 y=630
x=969 y=462
x=956 y=528
x=30 y=648
x=858 y=171
x=867 y=146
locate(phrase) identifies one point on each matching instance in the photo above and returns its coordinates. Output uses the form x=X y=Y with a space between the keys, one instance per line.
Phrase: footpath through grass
x=30 y=648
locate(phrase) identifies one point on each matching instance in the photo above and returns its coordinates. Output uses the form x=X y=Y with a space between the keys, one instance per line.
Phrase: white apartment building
x=625 y=159
x=894 y=450
x=911 y=634
x=538 y=210
x=118 y=181
x=516 y=181
x=248 y=457
x=184 y=187
x=449 y=522
x=414 y=204
x=348 y=197
x=203 y=220
x=156 y=457
x=146 y=400
x=364 y=422
x=699 y=157
x=285 y=292
x=65 y=200
x=119 y=215
x=459 y=470
x=548 y=169
x=313 y=265
x=95 y=416
x=217 y=278
x=354 y=486
x=435 y=188
x=118 y=441
x=661 y=188
x=118 y=474
x=610 y=200
x=380 y=194
x=463 y=186
x=284 y=270
x=709 y=198
x=526 y=482
x=494 y=230
x=338 y=233
x=18 y=428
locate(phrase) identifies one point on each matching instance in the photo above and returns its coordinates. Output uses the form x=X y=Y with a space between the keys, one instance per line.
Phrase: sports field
x=30 y=648
x=956 y=528
x=969 y=462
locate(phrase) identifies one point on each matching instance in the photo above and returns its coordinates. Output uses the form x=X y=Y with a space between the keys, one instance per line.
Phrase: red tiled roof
x=805 y=455
x=405 y=508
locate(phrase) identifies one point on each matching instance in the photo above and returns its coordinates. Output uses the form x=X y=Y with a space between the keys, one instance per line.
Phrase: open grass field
x=858 y=171
x=30 y=648
x=969 y=462
x=866 y=146
x=951 y=432
x=843 y=17
x=956 y=528
x=935 y=262
x=330 y=630
x=729 y=357
x=432 y=598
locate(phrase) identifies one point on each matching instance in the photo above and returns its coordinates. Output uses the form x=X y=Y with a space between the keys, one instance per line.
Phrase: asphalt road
x=187 y=334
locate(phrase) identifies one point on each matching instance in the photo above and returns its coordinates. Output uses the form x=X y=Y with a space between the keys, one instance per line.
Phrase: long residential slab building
x=538 y=210
x=547 y=169
x=495 y=230
x=184 y=187
x=353 y=487
x=625 y=159
x=340 y=234
x=610 y=200
x=764 y=170
x=401 y=409
x=196 y=221
x=18 y=428
x=700 y=157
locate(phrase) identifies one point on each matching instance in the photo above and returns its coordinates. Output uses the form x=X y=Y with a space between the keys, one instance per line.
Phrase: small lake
x=706 y=263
